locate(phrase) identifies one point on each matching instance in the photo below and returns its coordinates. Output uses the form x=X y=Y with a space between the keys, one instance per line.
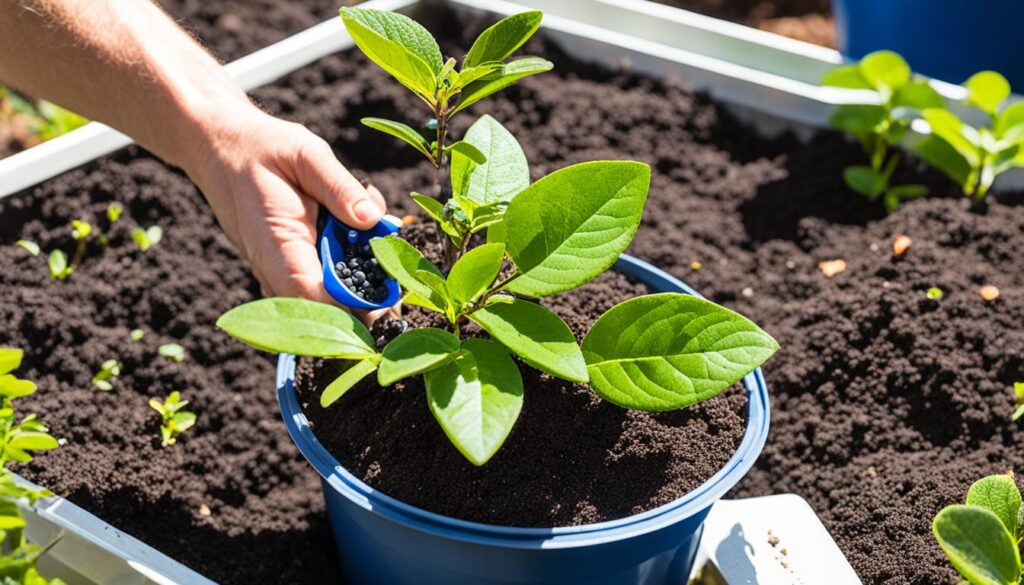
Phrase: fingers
x=322 y=177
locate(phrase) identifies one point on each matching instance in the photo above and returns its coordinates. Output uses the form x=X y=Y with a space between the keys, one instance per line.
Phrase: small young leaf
x=435 y=209
x=439 y=288
x=864 y=180
x=503 y=38
x=939 y=154
x=986 y=90
x=415 y=352
x=509 y=73
x=399 y=45
x=1011 y=117
x=475 y=272
x=400 y=29
x=918 y=95
x=978 y=545
x=884 y=69
x=476 y=398
x=147 y=238
x=33 y=441
x=470 y=74
x=857 y=119
x=299 y=327
x=80 y=230
x=172 y=351
x=14 y=387
x=946 y=126
x=669 y=350
x=114 y=211
x=137 y=334
x=402 y=261
x=346 y=381
x=58 y=263
x=467 y=150
x=999 y=494
x=30 y=247
x=402 y=132
x=537 y=335
x=570 y=226
x=505 y=172
x=846 y=76
x=10 y=359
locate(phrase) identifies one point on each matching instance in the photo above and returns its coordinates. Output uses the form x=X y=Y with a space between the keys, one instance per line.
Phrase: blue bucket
x=946 y=39
x=382 y=540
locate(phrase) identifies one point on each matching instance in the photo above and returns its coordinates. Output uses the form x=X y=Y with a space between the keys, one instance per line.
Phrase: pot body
x=946 y=39
x=382 y=540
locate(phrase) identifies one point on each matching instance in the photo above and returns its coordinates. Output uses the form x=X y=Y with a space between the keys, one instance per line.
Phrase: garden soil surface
x=886 y=405
x=804 y=20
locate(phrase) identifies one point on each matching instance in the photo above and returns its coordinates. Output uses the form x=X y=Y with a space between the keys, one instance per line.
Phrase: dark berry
x=358 y=276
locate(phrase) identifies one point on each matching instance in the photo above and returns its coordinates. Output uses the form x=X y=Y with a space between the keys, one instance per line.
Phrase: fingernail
x=365 y=183
x=366 y=211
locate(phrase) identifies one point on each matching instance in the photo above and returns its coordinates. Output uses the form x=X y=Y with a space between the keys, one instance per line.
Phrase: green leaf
x=865 y=180
x=184 y=420
x=505 y=172
x=978 y=545
x=299 y=327
x=438 y=287
x=503 y=38
x=476 y=398
x=401 y=260
x=467 y=150
x=946 y=126
x=857 y=119
x=986 y=90
x=999 y=494
x=669 y=350
x=137 y=334
x=30 y=247
x=435 y=209
x=10 y=359
x=399 y=45
x=537 y=335
x=918 y=95
x=846 y=76
x=470 y=74
x=1011 y=117
x=475 y=272
x=13 y=387
x=415 y=352
x=884 y=69
x=33 y=441
x=509 y=73
x=940 y=155
x=570 y=226
x=114 y=211
x=147 y=238
x=402 y=132
x=172 y=351
x=58 y=263
x=346 y=381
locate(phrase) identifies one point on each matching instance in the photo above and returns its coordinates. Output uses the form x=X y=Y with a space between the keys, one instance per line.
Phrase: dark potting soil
x=885 y=405
x=804 y=20
x=570 y=459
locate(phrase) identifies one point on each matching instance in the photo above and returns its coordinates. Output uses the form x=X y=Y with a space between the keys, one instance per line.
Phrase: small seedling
x=114 y=211
x=657 y=352
x=30 y=247
x=982 y=537
x=974 y=157
x=934 y=293
x=60 y=268
x=108 y=371
x=172 y=351
x=137 y=334
x=1018 y=393
x=173 y=420
x=882 y=127
x=147 y=238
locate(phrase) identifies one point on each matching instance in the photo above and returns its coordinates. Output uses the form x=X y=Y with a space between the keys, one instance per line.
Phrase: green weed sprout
x=103 y=380
x=173 y=420
x=982 y=537
x=60 y=268
x=30 y=247
x=172 y=351
x=148 y=237
x=510 y=243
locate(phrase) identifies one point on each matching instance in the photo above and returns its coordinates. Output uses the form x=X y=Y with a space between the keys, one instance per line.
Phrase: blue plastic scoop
x=337 y=242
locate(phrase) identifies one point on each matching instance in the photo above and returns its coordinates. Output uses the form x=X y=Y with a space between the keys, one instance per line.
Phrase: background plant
x=656 y=352
x=43 y=119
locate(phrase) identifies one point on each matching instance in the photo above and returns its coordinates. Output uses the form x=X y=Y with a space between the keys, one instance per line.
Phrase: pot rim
x=694 y=502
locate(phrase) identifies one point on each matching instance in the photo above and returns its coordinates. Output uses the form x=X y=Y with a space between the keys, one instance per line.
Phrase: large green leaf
x=986 y=90
x=398 y=45
x=299 y=327
x=401 y=131
x=857 y=119
x=978 y=545
x=884 y=69
x=939 y=154
x=945 y=125
x=505 y=173
x=401 y=260
x=669 y=350
x=999 y=494
x=537 y=335
x=415 y=352
x=10 y=359
x=509 y=73
x=918 y=95
x=570 y=226
x=475 y=272
x=476 y=398
x=13 y=387
x=846 y=76
x=503 y=38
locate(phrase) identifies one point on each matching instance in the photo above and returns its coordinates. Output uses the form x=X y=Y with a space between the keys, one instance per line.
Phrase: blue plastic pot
x=382 y=540
x=946 y=39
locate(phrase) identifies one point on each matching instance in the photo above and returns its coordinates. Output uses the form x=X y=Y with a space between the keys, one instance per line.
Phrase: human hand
x=265 y=179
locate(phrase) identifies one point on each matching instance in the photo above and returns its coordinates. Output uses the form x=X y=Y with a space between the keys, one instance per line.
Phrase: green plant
x=974 y=157
x=172 y=351
x=657 y=352
x=934 y=293
x=17 y=441
x=881 y=127
x=982 y=537
x=1018 y=394
x=173 y=420
x=60 y=268
x=137 y=334
x=103 y=380
x=147 y=238
x=30 y=247
x=45 y=120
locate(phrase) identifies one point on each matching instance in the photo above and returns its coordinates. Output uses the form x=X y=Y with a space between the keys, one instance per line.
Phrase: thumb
x=322 y=177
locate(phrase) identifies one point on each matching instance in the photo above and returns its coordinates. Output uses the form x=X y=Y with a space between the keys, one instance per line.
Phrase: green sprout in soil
x=934 y=293
x=147 y=238
x=982 y=537
x=1018 y=393
x=173 y=420
x=30 y=247
x=114 y=211
x=103 y=380
x=17 y=442
x=508 y=243
x=137 y=334
x=57 y=261
x=172 y=351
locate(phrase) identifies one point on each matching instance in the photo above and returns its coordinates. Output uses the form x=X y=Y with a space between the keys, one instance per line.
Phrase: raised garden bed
x=887 y=404
x=803 y=20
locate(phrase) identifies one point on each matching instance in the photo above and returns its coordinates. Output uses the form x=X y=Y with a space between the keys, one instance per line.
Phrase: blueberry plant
x=17 y=441
x=509 y=242
x=982 y=537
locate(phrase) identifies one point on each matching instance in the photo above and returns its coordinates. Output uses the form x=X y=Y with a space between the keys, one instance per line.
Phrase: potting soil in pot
x=804 y=20
x=886 y=404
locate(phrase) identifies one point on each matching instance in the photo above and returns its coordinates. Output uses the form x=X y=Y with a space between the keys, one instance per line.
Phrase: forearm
x=121 y=62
